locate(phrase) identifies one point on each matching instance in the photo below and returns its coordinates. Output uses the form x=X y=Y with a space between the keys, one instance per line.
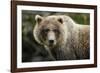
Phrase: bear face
x=49 y=31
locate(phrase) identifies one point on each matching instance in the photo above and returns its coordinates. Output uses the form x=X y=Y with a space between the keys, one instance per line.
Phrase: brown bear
x=62 y=37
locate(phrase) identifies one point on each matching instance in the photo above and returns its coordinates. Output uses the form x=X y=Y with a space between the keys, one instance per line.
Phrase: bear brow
x=45 y=22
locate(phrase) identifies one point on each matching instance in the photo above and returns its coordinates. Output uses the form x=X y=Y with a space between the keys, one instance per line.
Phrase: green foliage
x=80 y=18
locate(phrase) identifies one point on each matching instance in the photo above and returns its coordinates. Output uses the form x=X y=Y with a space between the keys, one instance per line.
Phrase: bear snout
x=51 y=41
x=51 y=38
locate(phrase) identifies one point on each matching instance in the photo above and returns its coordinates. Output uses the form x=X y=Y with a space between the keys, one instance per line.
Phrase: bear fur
x=62 y=37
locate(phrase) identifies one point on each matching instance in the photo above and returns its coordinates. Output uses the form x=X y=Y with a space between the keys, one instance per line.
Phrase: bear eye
x=55 y=30
x=46 y=30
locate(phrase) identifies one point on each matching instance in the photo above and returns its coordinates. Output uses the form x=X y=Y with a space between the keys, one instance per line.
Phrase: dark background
x=31 y=50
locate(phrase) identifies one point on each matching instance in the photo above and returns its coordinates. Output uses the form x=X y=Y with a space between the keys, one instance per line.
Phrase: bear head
x=50 y=31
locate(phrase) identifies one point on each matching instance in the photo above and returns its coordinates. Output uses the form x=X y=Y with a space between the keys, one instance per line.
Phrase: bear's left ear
x=38 y=18
x=60 y=20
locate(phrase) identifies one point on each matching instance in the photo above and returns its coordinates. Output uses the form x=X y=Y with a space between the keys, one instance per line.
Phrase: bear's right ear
x=38 y=18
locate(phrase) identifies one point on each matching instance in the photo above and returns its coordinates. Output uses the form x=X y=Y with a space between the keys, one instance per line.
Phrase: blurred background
x=31 y=50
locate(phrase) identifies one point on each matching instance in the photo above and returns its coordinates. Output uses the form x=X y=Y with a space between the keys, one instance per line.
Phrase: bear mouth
x=51 y=45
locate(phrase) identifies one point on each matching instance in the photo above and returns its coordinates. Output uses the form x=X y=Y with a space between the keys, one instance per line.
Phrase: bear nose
x=51 y=41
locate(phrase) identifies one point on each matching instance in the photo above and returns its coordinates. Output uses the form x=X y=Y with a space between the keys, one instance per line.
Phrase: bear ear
x=60 y=20
x=38 y=18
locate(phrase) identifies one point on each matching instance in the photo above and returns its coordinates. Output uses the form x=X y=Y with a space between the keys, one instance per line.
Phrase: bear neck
x=60 y=53
x=56 y=53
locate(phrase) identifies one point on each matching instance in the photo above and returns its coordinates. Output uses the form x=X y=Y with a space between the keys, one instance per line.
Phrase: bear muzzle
x=51 y=39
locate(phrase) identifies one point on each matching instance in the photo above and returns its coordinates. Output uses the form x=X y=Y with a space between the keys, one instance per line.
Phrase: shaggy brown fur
x=72 y=40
